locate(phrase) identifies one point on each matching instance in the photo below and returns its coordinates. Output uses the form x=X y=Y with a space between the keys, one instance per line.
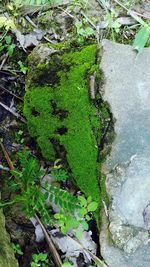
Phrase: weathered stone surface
x=7 y=258
x=124 y=237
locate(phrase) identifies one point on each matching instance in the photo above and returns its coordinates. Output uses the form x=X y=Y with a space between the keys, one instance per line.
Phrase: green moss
x=64 y=114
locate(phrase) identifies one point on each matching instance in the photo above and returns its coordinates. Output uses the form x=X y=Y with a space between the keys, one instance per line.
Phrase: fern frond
x=63 y=198
x=59 y=175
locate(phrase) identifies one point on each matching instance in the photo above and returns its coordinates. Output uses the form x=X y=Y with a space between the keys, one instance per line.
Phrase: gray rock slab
x=125 y=238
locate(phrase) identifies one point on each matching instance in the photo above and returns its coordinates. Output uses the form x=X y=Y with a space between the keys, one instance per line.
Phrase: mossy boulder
x=60 y=114
x=7 y=258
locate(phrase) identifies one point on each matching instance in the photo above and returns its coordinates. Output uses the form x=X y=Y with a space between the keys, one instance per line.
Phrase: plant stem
x=51 y=246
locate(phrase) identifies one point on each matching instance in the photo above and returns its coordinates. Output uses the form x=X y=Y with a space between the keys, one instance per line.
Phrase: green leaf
x=72 y=223
x=79 y=233
x=92 y=206
x=141 y=38
x=66 y=264
x=8 y=40
x=85 y=225
x=89 y=199
x=82 y=201
x=57 y=216
x=89 y=31
x=16 y=173
x=82 y=212
x=10 y=49
x=87 y=217
x=5 y=204
x=1 y=47
x=30 y=2
x=59 y=175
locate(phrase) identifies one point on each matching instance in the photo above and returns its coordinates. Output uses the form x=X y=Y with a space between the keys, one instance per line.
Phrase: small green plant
x=6 y=41
x=35 y=2
x=17 y=249
x=6 y=44
x=19 y=137
x=82 y=3
x=111 y=23
x=8 y=24
x=39 y=260
x=59 y=175
x=79 y=222
x=75 y=212
x=82 y=29
x=29 y=185
x=67 y=264
x=23 y=68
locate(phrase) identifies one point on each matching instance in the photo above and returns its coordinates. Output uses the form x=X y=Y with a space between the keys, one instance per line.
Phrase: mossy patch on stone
x=64 y=114
x=7 y=258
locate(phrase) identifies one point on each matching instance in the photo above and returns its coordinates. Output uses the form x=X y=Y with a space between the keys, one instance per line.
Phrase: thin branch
x=17 y=115
x=51 y=246
x=65 y=11
x=91 y=22
x=4 y=61
x=9 y=92
x=130 y=12
x=30 y=21
x=94 y=257
x=104 y=4
x=10 y=164
x=36 y=27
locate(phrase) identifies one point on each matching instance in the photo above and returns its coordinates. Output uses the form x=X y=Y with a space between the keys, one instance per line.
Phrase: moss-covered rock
x=60 y=113
x=7 y=258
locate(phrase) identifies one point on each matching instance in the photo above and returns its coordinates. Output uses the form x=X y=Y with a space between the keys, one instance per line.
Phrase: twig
x=94 y=257
x=91 y=22
x=17 y=115
x=4 y=61
x=71 y=16
x=130 y=12
x=104 y=4
x=35 y=26
x=10 y=164
x=9 y=92
x=48 y=40
x=52 y=248
x=30 y=21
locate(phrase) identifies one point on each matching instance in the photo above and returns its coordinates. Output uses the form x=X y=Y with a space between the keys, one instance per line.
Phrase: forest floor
x=22 y=28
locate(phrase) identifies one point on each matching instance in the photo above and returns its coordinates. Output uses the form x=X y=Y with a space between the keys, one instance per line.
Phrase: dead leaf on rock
x=30 y=39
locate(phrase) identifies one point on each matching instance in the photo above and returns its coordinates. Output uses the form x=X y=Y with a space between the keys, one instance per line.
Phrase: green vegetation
x=39 y=260
x=80 y=222
x=32 y=194
x=7 y=45
x=17 y=249
x=32 y=2
x=62 y=117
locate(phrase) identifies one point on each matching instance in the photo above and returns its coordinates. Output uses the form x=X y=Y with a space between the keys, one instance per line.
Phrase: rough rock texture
x=125 y=236
x=7 y=258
